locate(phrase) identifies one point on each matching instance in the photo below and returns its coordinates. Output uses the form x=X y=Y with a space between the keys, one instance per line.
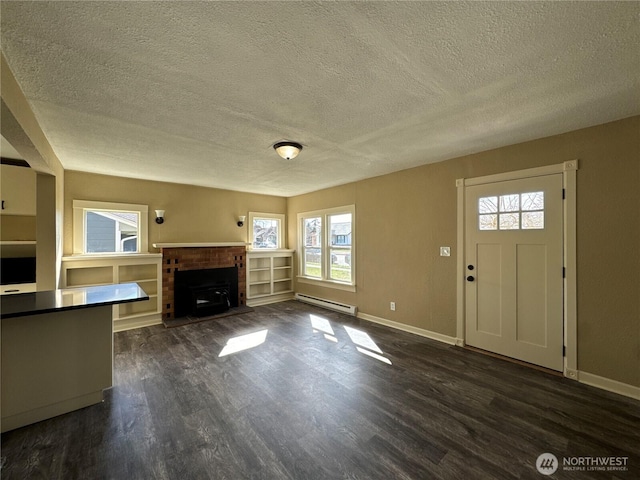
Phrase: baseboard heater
x=321 y=302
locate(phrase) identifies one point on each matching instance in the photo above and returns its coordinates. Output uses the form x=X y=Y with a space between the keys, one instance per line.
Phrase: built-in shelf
x=269 y=276
x=143 y=269
x=17 y=248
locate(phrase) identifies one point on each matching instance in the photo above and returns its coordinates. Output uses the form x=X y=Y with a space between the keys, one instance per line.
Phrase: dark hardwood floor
x=307 y=404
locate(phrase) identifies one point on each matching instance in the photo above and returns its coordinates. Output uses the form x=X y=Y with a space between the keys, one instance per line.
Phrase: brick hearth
x=197 y=258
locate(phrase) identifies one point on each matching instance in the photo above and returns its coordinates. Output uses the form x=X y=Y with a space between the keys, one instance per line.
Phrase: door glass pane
x=312 y=265
x=509 y=221
x=488 y=222
x=533 y=201
x=487 y=205
x=532 y=220
x=509 y=203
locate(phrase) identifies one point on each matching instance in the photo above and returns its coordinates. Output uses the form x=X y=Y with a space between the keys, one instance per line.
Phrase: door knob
x=470 y=278
x=470 y=267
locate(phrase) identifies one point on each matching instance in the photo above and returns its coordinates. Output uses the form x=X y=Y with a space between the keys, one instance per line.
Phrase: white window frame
x=280 y=217
x=325 y=247
x=80 y=207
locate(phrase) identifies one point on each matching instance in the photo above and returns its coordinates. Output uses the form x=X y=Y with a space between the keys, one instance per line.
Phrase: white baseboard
x=276 y=298
x=609 y=385
x=408 y=328
x=123 y=324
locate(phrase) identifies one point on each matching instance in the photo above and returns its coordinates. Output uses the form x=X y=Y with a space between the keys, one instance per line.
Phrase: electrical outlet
x=392 y=306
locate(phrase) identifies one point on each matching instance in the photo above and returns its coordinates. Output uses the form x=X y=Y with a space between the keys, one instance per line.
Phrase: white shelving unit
x=18 y=187
x=269 y=276
x=143 y=269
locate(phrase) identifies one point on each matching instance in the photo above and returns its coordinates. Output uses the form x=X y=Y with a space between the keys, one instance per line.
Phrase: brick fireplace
x=198 y=257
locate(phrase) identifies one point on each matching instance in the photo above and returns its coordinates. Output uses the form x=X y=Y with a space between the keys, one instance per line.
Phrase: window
x=524 y=211
x=103 y=227
x=266 y=230
x=326 y=252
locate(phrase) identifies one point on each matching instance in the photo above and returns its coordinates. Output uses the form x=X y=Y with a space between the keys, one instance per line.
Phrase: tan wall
x=18 y=190
x=17 y=227
x=402 y=219
x=192 y=214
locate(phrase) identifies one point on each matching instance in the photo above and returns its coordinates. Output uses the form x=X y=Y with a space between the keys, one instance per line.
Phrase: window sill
x=98 y=256
x=269 y=250
x=327 y=283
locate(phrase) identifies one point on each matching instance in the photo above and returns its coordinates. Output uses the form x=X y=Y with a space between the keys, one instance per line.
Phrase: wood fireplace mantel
x=200 y=245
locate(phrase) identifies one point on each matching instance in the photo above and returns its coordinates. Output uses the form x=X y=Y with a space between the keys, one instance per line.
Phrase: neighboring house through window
x=266 y=230
x=104 y=227
x=326 y=248
x=109 y=232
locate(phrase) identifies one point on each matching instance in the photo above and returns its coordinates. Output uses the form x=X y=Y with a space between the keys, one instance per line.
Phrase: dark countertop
x=23 y=304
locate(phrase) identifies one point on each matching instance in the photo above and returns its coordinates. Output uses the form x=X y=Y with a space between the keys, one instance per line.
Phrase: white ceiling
x=197 y=92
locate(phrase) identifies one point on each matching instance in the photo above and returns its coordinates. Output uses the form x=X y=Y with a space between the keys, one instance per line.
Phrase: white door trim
x=568 y=170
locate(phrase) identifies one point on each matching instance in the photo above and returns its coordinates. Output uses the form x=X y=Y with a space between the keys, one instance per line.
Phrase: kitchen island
x=57 y=350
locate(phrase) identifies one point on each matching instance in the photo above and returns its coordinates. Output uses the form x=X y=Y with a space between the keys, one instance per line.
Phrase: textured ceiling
x=197 y=92
x=7 y=150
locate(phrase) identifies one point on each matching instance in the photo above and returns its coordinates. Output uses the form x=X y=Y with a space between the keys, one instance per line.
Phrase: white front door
x=514 y=269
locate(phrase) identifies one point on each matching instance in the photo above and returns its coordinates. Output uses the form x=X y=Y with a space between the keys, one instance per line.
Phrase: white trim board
x=409 y=329
x=609 y=385
x=123 y=324
x=583 y=377
x=269 y=299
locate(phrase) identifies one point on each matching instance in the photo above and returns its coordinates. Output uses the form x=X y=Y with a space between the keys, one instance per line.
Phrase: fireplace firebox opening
x=205 y=292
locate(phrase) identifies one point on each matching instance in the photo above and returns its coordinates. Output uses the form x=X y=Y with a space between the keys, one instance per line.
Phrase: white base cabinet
x=143 y=269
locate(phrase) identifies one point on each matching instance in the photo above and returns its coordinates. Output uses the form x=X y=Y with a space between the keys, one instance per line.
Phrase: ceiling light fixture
x=288 y=150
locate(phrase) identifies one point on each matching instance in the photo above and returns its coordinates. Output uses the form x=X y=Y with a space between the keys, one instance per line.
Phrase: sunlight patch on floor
x=244 y=342
x=321 y=324
x=374 y=355
x=364 y=343
x=363 y=339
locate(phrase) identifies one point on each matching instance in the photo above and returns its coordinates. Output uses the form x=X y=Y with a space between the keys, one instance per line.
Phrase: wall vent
x=321 y=302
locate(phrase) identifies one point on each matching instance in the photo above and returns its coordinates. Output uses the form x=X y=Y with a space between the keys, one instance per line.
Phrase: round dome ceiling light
x=288 y=150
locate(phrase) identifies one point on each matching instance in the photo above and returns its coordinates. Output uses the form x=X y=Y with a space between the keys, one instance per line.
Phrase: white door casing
x=506 y=314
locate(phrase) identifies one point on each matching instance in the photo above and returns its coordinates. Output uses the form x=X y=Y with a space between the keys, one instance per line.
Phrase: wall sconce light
x=288 y=150
x=159 y=216
x=241 y=220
